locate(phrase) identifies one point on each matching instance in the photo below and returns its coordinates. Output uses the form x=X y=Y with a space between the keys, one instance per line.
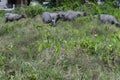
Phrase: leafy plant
x=34 y=10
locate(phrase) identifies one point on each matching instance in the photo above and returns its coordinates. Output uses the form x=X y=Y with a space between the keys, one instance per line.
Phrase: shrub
x=34 y=10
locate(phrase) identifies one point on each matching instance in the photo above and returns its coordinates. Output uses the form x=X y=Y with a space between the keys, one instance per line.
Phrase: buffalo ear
x=78 y=14
x=85 y=13
x=118 y=25
x=23 y=16
x=112 y=22
x=58 y=16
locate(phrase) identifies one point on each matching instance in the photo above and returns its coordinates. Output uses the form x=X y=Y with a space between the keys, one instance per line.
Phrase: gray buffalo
x=71 y=15
x=48 y=17
x=62 y=14
x=13 y=17
x=106 y=18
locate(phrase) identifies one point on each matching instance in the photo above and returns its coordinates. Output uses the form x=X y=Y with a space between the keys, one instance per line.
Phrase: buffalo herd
x=53 y=17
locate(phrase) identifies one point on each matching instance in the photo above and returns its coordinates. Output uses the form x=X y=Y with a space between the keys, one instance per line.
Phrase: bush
x=34 y=10
x=30 y=11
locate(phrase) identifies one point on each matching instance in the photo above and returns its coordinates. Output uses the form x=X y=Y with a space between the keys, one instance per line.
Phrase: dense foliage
x=58 y=3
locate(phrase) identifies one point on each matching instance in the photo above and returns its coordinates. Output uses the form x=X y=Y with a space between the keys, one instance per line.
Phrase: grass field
x=84 y=49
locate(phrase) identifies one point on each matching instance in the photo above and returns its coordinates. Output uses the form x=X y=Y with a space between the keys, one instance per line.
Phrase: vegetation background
x=81 y=50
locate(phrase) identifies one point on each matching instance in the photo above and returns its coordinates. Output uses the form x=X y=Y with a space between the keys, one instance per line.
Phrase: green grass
x=81 y=50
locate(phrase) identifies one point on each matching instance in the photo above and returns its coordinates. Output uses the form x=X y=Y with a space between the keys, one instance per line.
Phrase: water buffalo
x=71 y=15
x=48 y=17
x=13 y=17
x=62 y=14
x=106 y=18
